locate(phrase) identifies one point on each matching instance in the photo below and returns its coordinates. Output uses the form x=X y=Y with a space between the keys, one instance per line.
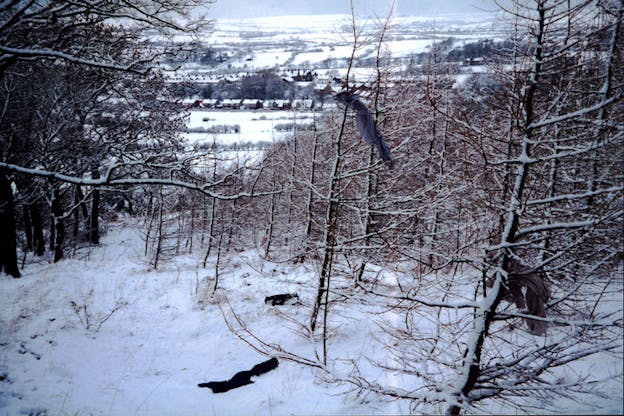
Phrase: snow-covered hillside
x=104 y=334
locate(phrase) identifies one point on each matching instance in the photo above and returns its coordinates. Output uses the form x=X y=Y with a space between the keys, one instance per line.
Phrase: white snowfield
x=252 y=126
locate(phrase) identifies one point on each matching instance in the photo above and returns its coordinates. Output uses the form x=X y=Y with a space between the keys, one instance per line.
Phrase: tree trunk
x=37 y=226
x=371 y=191
x=94 y=226
x=270 y=228
x=8 y=236
x=28 y=231
x=486 y=310
x=76 y=215
x=331 y=224
x=58 y=225
x=211 y=224
x=159 y=229
x=218 y=260
x=310 y=202
x=291 y=176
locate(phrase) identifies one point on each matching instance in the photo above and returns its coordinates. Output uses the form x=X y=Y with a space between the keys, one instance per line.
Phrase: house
x=251 y=104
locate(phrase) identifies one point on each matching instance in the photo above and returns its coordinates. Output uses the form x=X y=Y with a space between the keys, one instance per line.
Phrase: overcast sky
x=364 y=8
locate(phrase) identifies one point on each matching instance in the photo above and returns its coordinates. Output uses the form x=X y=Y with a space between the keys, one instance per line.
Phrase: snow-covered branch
x=575 y=196
x=109 y=181
x=574 y=114
x=29 y=53
x=566 y=225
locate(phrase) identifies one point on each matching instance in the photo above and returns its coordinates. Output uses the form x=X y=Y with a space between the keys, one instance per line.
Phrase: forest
x=499 y=216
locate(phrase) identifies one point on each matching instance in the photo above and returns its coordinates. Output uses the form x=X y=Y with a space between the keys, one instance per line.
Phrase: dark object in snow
x=537 y=293
x=366 y=125
x=241 y=378
x=281 y=299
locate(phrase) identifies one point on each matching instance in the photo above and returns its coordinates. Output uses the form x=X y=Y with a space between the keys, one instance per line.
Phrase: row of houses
x=254 y=104
x=199 y=76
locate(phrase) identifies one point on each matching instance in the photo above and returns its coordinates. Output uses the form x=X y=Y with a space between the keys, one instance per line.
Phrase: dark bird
x=366 y=125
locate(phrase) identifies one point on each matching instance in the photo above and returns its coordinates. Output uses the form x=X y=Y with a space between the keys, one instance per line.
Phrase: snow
x=104 y=333
x=323 y=53
x=254 y=126
x=407 y=47
x=308 y=40
x=166 y=334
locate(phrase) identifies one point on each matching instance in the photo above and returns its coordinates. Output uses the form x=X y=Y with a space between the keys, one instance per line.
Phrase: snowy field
x=251 y=126
x=325 y=29
x=105 y=334
x=306 y=41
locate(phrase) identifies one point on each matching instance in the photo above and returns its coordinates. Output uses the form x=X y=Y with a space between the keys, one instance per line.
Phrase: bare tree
x=121 y=123
x=511 y=186
x=540 y=107
x=33 y=29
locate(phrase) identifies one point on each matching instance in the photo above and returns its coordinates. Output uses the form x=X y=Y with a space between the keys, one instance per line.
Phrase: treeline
x=198 y=53
x=264 y=85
